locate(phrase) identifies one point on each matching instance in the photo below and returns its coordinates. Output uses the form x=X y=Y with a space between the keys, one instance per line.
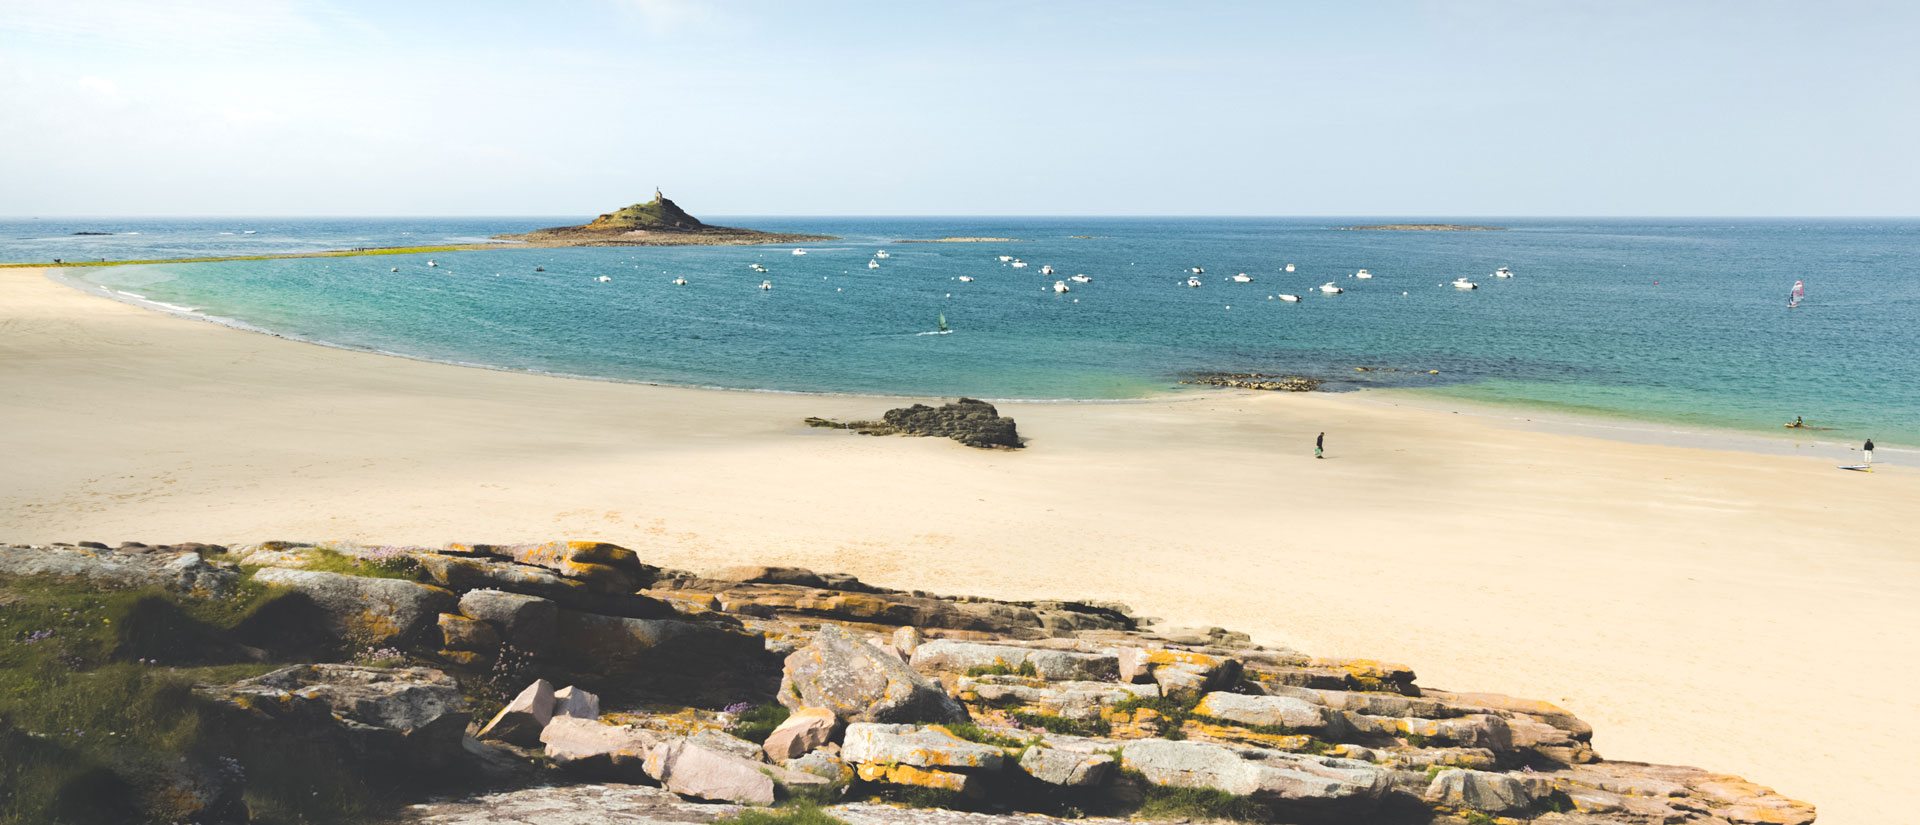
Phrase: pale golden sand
x=1747 y=613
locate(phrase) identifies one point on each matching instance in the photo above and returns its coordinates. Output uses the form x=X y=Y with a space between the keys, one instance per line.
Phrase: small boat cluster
x=1061 y=286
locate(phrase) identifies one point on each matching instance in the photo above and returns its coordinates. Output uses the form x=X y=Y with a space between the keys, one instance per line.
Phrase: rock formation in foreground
x=572 y=681
x=659 y=222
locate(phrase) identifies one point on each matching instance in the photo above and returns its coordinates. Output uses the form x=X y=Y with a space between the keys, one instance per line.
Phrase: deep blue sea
x=1677 y=321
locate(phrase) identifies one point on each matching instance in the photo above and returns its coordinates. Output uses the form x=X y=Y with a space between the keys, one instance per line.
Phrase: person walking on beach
x=1320 y=446
x=1867 y=448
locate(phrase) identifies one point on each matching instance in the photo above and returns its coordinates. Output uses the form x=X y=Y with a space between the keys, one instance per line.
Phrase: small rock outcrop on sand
x=969 y=421
x=659 y=222
x=748 y=687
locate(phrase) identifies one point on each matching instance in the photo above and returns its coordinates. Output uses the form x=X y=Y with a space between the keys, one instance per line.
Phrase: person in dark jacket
x=1868 y=449
x=1320 y=446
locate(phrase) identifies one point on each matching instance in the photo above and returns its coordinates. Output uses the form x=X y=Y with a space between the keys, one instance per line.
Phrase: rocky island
x=659 y=222
x=1426 y=227
x=294 y=682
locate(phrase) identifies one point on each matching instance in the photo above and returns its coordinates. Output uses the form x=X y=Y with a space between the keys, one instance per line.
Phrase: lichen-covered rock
x=803 y=730
x=1467 y=790
x=720 y=741
x=861 y=683
x=1312 y=783
x=922 y=747
x=410 y=716
x=1141 y=664
x=458 y=632
x=602 y=567
x=690 y=770
x=965 y=784
x=182 y=572
x=947 y=656
x=1073 y=700
x=593 y=749
x=527 y=622
x=1067 y=768
x=823 y=763
x=522 y=720
x=1281 y=711
x=367 y=611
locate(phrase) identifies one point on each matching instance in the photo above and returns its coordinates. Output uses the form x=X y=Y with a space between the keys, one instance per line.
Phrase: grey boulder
x=862 y=683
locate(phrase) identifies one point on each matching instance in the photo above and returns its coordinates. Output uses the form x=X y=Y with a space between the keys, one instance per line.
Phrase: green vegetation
x=1025 y=669
x=1478 y=818
x=754 y=724
x=378 y=565
x=99 y=721
x=1061 y=724
x=341 y=253
x=658 y=213
x=1163 y=802
x=1418 y=740
x=974 y=733
x=805 y=813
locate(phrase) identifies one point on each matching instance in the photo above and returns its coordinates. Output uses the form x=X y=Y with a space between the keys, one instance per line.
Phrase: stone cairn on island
x=763 y=684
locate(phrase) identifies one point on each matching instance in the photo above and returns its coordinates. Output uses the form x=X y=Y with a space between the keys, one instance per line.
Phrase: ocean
x=1679 y=322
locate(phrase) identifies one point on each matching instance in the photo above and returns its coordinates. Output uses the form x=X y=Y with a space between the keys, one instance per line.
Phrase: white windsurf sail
x=1799 y=294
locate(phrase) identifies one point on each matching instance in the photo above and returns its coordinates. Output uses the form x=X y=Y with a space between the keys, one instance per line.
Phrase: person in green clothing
x=1320 y=446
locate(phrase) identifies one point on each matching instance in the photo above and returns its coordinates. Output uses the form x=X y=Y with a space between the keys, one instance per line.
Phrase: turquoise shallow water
x=1675 y=321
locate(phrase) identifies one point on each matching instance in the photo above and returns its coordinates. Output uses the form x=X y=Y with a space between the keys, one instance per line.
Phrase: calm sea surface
x=1680 y=321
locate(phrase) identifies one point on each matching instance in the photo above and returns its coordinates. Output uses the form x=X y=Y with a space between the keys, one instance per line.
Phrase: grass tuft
x=804 y=813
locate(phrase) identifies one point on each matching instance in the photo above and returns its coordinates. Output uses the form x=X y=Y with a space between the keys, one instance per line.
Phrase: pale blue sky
x=1477 y=107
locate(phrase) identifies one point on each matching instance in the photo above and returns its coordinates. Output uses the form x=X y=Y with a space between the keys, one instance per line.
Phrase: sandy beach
x=1695 y=605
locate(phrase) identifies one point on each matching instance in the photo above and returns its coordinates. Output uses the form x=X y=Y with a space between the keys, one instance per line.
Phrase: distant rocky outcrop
x=659 y=222
x=764 y=684
x=969 y=421
x=1256 y=381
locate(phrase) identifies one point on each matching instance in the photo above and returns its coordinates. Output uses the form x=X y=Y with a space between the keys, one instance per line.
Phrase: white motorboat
x=679 y=282
x=1291 y=299
x=1046 y=270
x=799 y=252
x=1363 y=274
x=1289 y=267
x=1503 y=272
x=1197 y=271
x=881 y=254
x=1005 y=258
x=395 y=269
x=1018 y=264
x=873 y=264
x=756 y=267
x=1193 y=282
x=1242 y=278
x=1081 y=279
x=1059 y=287
x=1330 y=289
x=766 y=284
x=603 y=279
x=966 y=279
x=1462 y=283
x=430 y=263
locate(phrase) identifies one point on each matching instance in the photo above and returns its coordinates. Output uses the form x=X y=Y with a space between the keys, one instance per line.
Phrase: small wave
x=936 y=332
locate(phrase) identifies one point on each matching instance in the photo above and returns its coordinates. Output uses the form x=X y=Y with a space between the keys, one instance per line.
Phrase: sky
x=1465 y=108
